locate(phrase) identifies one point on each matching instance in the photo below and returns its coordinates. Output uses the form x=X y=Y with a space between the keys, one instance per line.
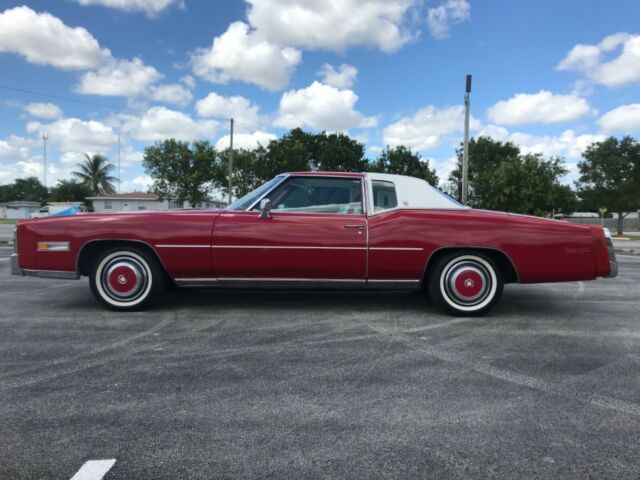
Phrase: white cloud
x=171 y=93
x=150 y=7
x=440 y=19
x=541 y=107
x=427 y=128
x=343 y=77
x=15 y=148
x=141 y=183
x=75 y=135
x=160 y=123
x=119 y=77
x=248 y=141
x=47 y=111
x=595 y=61
x=188 y=81
x=623 y=119
x=45 y=40
x=568 y=144
x=239 y=108
x=239 y=54
x=321 y=107
x=332 y=25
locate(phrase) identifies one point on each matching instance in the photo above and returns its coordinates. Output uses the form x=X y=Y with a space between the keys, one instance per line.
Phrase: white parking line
x=4 y=259
x=94 y=469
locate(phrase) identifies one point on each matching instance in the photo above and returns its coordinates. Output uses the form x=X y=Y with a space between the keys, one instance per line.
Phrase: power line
x=67 y=99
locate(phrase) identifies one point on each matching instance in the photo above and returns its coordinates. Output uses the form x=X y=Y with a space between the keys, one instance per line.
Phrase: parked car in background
x=59 y=209
x=316 y=230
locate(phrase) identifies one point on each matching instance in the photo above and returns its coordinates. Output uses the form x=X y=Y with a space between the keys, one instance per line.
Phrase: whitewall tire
x=126 y=278
x=465 y=283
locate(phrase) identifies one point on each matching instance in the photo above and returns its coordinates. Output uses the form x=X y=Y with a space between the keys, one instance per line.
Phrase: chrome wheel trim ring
x=123 y=278
x=143 y=285
x=475 y=280
x=469 y=263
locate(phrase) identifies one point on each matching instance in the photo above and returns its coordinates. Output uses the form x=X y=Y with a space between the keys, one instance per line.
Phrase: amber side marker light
x=52 y=246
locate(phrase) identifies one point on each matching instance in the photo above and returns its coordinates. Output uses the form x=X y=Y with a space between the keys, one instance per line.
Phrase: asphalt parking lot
x=272 y=384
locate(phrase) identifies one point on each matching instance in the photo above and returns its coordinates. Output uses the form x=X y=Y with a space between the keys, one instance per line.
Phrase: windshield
x=250 y=198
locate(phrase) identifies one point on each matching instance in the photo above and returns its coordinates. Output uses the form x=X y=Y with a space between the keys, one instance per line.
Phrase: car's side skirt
x=295 y=283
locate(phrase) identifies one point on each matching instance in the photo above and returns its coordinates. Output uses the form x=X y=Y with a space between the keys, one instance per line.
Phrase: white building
x=18 y=209
x=131 y=202
x=124 y=202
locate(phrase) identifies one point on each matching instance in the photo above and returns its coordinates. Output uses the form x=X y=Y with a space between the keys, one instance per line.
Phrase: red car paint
x=395 y=245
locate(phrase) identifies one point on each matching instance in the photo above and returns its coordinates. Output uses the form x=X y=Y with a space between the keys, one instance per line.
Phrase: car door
x=316 y=233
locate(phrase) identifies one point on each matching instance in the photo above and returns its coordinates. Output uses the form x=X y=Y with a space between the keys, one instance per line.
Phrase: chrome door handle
x=359 y=227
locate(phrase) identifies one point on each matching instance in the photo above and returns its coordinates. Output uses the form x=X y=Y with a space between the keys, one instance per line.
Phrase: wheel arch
x=502 y=259
x=89 y=250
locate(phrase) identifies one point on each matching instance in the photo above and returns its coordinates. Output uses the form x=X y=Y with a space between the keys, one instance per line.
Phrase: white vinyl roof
x=416 y=193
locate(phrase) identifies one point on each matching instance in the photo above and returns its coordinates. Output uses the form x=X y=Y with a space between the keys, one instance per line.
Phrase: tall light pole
x=230 y=161
x=44 y=147
x=465 y=151
x=119 y=181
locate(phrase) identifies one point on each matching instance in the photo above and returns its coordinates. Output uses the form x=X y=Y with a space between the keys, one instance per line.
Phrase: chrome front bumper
x=16 y=270
x=15 y=266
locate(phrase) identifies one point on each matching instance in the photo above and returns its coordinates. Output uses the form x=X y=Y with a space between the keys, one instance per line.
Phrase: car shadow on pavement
x=312 y=300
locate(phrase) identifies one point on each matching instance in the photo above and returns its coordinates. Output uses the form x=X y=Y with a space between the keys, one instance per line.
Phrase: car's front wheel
x=127 y=278
x=465 y=283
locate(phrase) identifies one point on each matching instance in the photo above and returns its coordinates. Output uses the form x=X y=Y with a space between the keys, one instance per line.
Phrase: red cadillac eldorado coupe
x=316 y=229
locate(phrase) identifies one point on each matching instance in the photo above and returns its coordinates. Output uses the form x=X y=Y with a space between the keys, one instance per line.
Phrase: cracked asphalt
x=338 y=384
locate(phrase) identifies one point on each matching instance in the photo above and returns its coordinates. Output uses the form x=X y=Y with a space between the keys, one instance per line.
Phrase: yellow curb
x=621 y=238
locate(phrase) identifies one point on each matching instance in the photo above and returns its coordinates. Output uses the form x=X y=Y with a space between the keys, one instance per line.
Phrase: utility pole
x=465 y=151
x=119 y=181
x=230 y=161
x=44 y=143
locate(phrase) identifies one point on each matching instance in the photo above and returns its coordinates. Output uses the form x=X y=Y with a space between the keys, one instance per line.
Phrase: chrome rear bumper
x=613 y=263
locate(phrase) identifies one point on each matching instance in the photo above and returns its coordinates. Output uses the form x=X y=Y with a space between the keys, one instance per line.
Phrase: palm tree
x=94 y=173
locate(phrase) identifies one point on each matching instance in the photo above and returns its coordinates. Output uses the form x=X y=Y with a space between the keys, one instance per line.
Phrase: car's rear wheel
x=127 y=278
x=465 y=283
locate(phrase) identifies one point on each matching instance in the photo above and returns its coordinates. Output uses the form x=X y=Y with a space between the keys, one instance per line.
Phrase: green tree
x=245 y=166
x=527 y=184
x=6 y=192
x=337 y=152
x=180 y=171
x=70 y=191
x=29 y=189
x=94 y=173
x=402 y=161
x=485 y=154
x=290 y=153
x=610 y=176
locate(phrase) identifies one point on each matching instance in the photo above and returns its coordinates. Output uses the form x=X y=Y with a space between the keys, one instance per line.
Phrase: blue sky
x=551 y=76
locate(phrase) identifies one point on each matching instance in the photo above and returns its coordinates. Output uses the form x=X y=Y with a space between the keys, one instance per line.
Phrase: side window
x=318 y=195
x=384 y=195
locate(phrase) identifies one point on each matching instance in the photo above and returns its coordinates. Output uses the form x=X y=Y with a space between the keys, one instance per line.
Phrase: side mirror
x=265 y=208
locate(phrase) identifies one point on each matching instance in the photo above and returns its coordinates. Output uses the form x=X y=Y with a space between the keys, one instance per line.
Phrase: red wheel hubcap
x=469 y=283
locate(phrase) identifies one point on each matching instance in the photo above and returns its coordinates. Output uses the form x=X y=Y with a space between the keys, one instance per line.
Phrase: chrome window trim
x=257 y=202
x=286 y=176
